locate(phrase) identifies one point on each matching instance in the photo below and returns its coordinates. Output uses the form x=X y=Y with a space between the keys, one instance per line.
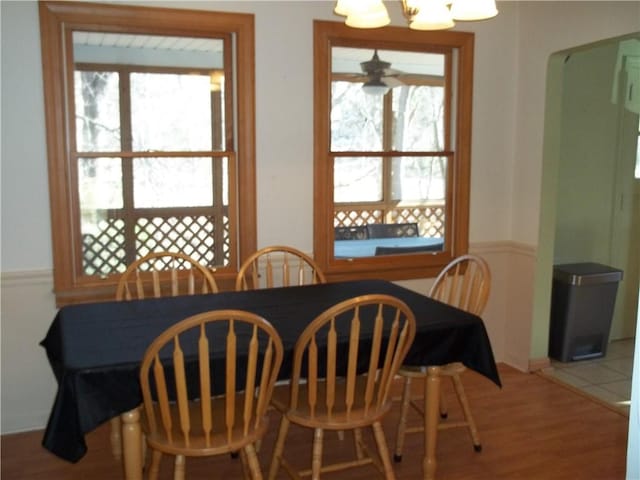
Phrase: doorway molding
x=551 y=154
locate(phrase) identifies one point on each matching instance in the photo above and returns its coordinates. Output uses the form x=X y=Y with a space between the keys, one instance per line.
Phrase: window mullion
x=128 y=214
x=387 y=145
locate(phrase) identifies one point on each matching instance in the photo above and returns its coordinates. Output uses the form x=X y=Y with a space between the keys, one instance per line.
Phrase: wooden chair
x=392 y=230
x=198 y=358
x=356 y=232
x=345 y=386
x=278 y=266
x=143 y=278
x=465 y=283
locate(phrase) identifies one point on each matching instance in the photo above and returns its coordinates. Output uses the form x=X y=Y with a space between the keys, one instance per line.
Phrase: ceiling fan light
x=375 y=86
x=469 y=10
x=432 y=15
x=367 y=14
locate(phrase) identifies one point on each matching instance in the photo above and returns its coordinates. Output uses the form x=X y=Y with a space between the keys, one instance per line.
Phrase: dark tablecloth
x=95 y=349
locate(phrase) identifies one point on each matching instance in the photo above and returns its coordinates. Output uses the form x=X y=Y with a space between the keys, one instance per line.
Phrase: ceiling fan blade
x=392 y=71
x=393 y=81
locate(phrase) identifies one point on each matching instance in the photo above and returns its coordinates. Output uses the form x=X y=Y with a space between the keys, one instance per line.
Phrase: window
x=392 y=150
x=150 y=134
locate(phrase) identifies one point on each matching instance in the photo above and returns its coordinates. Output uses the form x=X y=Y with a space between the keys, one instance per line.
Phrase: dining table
x=370 y=247
x=95 y=350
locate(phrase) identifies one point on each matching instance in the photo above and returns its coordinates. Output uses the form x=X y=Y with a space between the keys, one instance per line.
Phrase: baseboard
x=25 y=423
x=537 y=364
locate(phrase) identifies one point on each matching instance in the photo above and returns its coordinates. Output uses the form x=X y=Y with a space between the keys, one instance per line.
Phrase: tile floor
x=607 y=378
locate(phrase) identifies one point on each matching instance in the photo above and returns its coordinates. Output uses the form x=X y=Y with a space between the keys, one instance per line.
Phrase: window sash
x=460 y=64
x=57 y=21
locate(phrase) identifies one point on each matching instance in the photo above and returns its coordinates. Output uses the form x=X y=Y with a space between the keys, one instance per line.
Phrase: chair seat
x=339 y=416
x=451 y=369
x=198 y=444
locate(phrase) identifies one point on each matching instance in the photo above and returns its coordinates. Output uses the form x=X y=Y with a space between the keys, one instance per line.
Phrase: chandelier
x=421 y=14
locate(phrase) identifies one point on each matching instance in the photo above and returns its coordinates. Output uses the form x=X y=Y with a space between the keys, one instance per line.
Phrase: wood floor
x=532 y=428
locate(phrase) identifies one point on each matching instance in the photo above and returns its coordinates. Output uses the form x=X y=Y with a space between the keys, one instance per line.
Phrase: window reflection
x=171 y=111
x=357 y=179
x=97 y=99
x=406 y=112
x=150 y=105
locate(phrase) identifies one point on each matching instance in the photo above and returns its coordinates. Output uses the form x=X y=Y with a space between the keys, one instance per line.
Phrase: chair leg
x=431 y=397
x=442 y=404
x=316 y=458
x=178 y=468
x=154 y=469
x=116 y=437
x=278 y=449
x=402 y=422
x=464 y=403
x=383 y=451
x=245 y=464
x=357 y=442
x=252 y=460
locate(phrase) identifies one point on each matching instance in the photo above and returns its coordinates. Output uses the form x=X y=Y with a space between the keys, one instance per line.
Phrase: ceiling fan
x=380 y=76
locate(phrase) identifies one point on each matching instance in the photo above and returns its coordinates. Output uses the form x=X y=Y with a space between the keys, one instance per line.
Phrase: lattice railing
x=430 y=218
x=104 y=252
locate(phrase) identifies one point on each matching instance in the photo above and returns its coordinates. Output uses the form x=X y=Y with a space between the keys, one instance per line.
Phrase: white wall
x=506 y=162
x=26 y=231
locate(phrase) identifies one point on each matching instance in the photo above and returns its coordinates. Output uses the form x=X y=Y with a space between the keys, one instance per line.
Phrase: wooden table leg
x=132 y=444
x=431 y=409
x=116 y=438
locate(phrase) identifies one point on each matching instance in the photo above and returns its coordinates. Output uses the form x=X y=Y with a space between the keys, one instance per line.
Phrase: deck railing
x=430 y=218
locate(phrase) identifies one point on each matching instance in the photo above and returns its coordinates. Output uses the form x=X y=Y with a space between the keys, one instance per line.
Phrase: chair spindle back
x=380 y=329
x=184 y=275
x=278 y=266
x=196 y=343
x=464 y=283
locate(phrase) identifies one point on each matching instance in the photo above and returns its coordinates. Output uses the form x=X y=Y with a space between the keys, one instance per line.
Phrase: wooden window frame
x=397 y=267
x=57 y=21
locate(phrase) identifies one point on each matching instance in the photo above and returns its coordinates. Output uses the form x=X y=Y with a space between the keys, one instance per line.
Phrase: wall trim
x=31 y=277
x=536 y=364
x=502 y=247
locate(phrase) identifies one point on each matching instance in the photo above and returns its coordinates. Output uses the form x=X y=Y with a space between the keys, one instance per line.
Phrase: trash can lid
x=587 y=273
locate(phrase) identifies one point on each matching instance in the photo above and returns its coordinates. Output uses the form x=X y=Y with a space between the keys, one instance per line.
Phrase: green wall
x=580 y=194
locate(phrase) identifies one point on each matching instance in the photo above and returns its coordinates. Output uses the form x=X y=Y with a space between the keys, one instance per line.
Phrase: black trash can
x=582 y=301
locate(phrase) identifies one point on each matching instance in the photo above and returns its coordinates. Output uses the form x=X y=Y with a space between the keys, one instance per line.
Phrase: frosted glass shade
x=363 y=13
x=432 y=15
x=344 y=7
